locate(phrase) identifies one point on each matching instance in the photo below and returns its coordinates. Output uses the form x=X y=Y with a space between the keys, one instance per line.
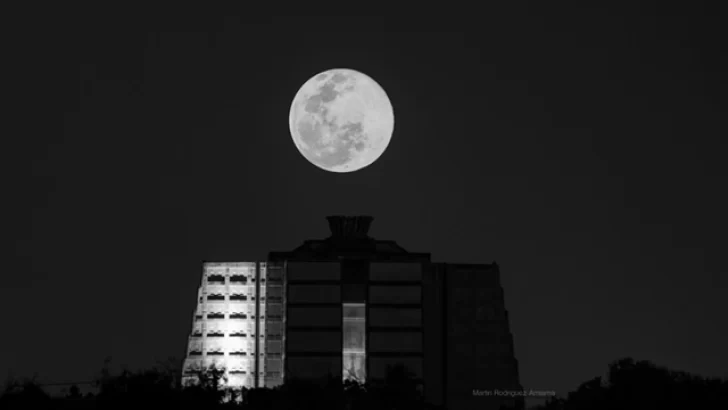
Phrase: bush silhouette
x=629 y=385
x=643 y=385
x=24 y=395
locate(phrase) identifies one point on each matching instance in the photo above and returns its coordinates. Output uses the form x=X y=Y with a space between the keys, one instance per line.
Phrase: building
x=237 y=325
x=354 y=306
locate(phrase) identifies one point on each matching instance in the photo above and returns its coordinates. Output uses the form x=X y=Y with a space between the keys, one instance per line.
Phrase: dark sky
x=582 y=149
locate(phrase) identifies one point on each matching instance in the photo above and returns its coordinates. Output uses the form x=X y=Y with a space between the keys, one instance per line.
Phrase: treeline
x=642 y=385
x=629 y=385
x=162 y=387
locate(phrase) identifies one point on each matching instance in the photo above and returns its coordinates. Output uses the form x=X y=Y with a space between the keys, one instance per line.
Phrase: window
x=395 y=294
x=314 y=294
x=354 y=349
x=216 y=279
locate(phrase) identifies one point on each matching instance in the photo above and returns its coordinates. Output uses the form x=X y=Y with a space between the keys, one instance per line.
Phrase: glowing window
x=354 y=348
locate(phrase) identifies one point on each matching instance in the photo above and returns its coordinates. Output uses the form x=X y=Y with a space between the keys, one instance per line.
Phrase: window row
x=269 y=336
x=332 y=316
x=352 y=364
x=388 y=295
x=379 y=271
x=221 y=334
x=236 y=316
x=192 y=371
x=233 y=279
x=219 y=353
x=232 y=297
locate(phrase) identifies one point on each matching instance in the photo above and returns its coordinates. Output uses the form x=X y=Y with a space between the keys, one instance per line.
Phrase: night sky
x=581 y=149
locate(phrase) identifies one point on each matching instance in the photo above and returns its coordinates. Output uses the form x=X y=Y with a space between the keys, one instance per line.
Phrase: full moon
x=341 y=120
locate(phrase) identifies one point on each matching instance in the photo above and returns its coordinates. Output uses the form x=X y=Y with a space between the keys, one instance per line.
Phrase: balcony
x=236 y=326
x=195 y=345
x=215 y=289
x=216 y=306
x=238 y=289
x=238 y=306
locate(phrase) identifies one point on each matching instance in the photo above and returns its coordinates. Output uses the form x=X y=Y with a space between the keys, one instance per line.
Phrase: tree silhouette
x=24 y=394
x=209 y=387
x=161 y=387
x=74 y=393
x=628 y=385
x=553 y=403
x=643 y=385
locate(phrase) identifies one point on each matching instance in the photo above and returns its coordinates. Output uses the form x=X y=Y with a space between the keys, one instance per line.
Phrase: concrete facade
x=238 y=324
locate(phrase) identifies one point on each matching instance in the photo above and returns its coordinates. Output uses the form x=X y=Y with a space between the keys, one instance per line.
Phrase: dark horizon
x=582 y=149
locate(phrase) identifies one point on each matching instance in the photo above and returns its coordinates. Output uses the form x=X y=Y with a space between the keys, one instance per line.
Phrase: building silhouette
x=353 y=306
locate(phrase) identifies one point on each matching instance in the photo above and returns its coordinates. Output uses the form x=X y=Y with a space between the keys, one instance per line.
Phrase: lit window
x=354 y=349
